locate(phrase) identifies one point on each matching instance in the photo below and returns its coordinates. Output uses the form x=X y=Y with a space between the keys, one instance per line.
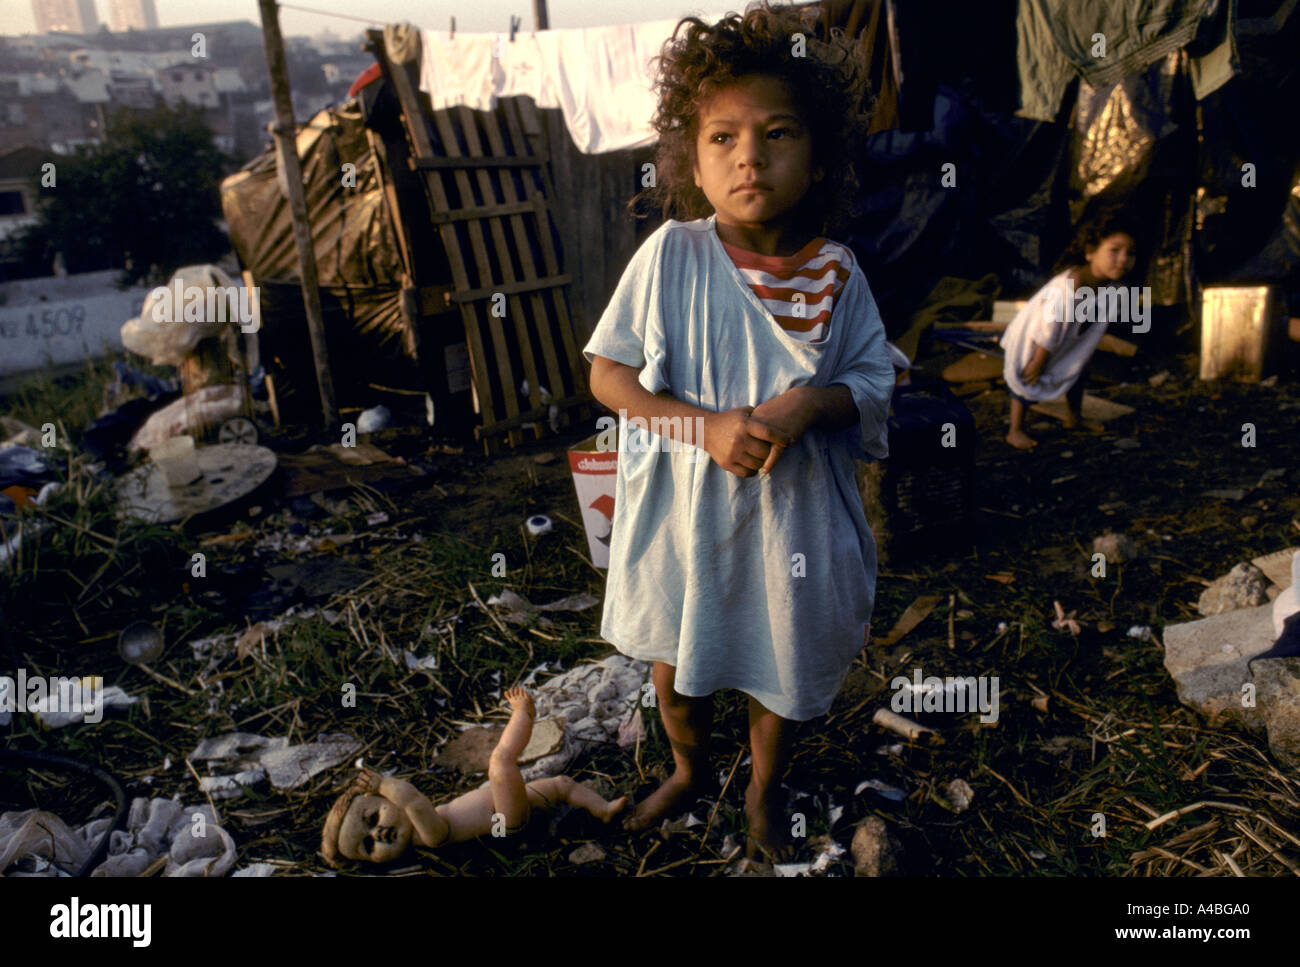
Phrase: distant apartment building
x=58 y=112
x=65 y=16
x=189 y=81
x=132 y=15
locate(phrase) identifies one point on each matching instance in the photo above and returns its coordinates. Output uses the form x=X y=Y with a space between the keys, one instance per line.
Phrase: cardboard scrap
x=1277 y=566
x=916 y=613
x=1094 y=408
x=973 y=367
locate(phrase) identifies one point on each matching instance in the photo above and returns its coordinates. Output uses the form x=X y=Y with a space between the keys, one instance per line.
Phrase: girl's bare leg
x=770 y=739
x=558 y=789
x=688 y=722
x=1017 y=436
x=509 y=794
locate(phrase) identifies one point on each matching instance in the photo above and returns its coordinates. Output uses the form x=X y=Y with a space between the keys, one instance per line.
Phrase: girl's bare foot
x=612 y=809
x=521 y=701
x=769 y=837
x=1020 y=440
x=678 y=791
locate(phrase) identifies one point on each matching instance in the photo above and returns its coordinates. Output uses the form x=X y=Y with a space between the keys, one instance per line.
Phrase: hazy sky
x=471 y=15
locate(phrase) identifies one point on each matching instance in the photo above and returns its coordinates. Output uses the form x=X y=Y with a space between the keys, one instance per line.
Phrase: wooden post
x=540 y=20
x=286 y=144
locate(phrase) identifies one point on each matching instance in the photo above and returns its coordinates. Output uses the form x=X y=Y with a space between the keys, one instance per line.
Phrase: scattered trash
x=827 y=854
x=168 y=343
x=876 y=850
x=249 y=758
x=39 y=843
x=429 y=663
x=470 y=751
x=792 y=869
x=231 y=471
x=519 y=611
x=539 y=525
x=1037 y=854
x=377 y=518
x=892 y=793
x=1245 y=586
x=910 y=730
x=959 y=795
x=140 y=643
x=1159 y=378
x=544 y=458
x=1065 y=622
x=1118 y=548
x=1127 y=443
x=16 y=433
x=1141 y=633
x=373 y=419
x=586 y=853
x=55 y=713
x=256 y=869
x=335 y=466
x=194 y=413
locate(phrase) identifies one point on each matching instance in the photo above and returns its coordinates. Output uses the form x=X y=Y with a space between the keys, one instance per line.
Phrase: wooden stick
x=1161 y=820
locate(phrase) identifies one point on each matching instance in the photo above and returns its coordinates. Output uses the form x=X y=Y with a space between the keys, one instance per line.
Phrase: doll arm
x=430 y=828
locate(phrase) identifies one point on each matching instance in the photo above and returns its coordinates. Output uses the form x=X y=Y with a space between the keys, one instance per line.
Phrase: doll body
x=379 y=817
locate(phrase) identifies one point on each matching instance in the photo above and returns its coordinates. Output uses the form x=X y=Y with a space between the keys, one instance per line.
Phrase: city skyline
x=482 y=16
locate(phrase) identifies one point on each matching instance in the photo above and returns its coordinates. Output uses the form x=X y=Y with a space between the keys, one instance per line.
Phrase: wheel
x=237 y=430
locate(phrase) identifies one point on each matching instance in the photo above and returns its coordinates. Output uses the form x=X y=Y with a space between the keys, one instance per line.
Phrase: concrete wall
x=55 y=320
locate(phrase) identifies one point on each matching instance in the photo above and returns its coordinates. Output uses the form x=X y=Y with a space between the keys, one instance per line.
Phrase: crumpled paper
x=599 y=702
x=246 y=759
x=41 y=842
x=520 y=611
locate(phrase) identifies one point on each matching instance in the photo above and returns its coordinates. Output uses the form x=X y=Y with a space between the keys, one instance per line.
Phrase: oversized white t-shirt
x=1069 y=345
x=766 y=583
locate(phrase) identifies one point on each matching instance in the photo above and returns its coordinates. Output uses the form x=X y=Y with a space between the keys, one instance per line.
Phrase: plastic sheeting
x=355 y=246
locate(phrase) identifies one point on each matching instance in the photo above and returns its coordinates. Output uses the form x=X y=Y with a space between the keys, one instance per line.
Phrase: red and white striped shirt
x=798 y=290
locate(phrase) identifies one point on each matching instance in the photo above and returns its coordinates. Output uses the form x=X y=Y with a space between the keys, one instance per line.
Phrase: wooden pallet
x=488 y=191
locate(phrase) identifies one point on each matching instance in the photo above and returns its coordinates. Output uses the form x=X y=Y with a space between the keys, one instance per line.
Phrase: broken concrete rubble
x=1207 y=660
x=1245 y=586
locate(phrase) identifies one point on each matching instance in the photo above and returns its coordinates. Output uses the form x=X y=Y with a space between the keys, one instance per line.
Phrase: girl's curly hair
x=1102 y=225
x=828 y=83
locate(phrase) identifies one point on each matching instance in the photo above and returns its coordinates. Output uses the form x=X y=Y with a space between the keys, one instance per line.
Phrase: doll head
x=758 y=98
x=365 y=826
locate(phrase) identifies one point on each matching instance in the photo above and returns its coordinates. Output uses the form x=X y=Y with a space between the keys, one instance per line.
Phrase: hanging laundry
x=1105 y=41
x=601 y=78
x=458 y=70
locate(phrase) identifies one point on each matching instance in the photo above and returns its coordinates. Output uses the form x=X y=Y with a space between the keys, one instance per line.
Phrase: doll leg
x=688 y=722
x=558 y=789
x=509 y=794
x=770 y=738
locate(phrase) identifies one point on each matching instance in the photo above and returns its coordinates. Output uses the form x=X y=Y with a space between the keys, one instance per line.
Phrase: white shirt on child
x=1042 y=321
x=766 y=583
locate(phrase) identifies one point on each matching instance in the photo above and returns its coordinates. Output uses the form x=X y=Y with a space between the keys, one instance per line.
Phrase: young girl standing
x=1047 y=353
x=754 y=569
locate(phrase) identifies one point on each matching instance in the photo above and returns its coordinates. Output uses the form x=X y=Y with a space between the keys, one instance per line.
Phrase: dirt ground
x=1089 y=722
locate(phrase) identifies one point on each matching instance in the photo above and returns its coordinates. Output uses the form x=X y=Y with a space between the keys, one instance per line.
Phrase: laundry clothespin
x=514 y=26
x=452 y=35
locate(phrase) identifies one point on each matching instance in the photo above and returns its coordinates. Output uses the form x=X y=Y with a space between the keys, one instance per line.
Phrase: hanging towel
x=458 y=70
